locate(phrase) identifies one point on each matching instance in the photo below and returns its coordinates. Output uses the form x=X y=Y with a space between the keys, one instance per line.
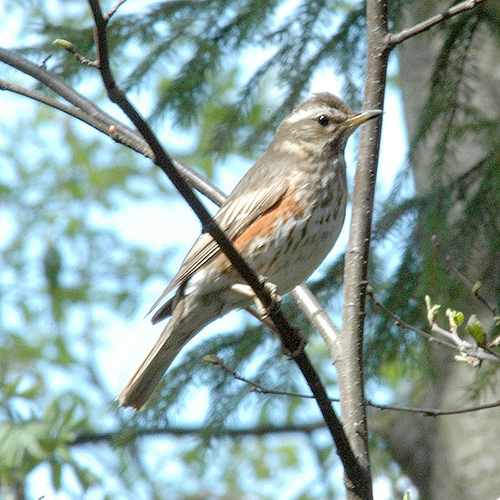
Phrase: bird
x=284 y=217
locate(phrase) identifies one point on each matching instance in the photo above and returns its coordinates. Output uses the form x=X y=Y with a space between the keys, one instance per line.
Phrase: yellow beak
x=362 y=117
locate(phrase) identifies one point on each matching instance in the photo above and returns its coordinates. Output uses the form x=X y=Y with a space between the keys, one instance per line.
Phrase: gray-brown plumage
x=284 y=217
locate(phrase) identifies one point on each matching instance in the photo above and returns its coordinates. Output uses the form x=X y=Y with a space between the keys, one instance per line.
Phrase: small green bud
x=212 y=359
x=432 y=309
x=64 y=44
x=475 y=329
x=456 y=318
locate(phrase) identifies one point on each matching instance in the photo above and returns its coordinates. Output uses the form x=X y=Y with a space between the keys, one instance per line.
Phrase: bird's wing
x=235 y=215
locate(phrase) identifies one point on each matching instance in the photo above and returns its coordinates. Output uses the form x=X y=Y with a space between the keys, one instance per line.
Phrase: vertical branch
x=349 y=362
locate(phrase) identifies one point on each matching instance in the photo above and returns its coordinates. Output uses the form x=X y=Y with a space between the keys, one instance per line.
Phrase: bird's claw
x=247 y=290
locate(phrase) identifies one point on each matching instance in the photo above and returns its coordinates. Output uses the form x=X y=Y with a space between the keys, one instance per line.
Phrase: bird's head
x=322 y=121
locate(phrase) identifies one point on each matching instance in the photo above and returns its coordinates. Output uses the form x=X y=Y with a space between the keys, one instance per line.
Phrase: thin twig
x=435 y=412
x=454 y=343
x=394 y=39
x=112 y=12
x=471 y=286
x=260 y=389
x=50 y=80
x=69 y=47
x=431 y=412
x=129 y=434
x=288 y=335
x=403 y=324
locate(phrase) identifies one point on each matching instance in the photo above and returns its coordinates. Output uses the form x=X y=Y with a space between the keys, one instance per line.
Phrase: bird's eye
x=323 y=120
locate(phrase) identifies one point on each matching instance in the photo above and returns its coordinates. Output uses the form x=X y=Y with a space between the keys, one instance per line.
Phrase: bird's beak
x=362 y=117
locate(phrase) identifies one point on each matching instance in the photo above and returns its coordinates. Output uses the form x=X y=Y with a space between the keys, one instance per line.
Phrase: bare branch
x=428 y=412
x=117 y=131
x=255 y=387
x=126 y=435
x=397 y=38
x=317 y=316
x=56 y=84
x=453 y=342
x=261 y=430
x=435 y=412
x=112 y=12
x=349 y=349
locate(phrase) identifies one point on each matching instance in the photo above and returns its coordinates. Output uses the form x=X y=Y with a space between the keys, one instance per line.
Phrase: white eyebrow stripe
x=302 y=114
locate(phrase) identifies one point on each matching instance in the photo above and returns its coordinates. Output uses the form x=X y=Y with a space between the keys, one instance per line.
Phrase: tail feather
x=181 y=328
x=163 y=312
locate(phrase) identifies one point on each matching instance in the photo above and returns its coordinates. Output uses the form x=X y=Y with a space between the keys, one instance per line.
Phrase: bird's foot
x=248 y=292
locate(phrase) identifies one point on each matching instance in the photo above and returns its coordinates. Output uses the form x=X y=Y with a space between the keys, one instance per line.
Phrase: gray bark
x=455 y=456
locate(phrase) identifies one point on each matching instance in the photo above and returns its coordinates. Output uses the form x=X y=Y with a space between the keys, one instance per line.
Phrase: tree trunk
x=455 y=456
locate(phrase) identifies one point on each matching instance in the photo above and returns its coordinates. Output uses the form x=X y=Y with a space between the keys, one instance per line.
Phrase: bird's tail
x=182 y=327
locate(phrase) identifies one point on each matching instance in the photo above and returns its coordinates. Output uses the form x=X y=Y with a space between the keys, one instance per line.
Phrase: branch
x=453 y=342
x=317 y=316
x=92 y=115
x=255 y=387
x=349 y=359
x=428 y=412
x=68 y=46
x=402 y=324
x=472 y=352
x=112 y=12
x=124 y=435
x=288 y=335
x=397 y=38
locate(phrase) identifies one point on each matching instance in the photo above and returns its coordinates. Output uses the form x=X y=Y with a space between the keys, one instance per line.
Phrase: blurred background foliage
x=215 y=78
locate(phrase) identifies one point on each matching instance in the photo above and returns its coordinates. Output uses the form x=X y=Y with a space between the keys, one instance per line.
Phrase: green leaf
x=432 y=309
x=475 y=329
x=456 y=318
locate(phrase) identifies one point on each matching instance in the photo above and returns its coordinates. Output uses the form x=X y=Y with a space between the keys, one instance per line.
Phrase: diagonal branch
x=87 y=112
x=117 y=96
x=289 y=336
x=394 y=39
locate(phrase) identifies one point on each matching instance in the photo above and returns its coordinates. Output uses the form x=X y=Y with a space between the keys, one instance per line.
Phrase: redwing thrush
x=284 y=217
